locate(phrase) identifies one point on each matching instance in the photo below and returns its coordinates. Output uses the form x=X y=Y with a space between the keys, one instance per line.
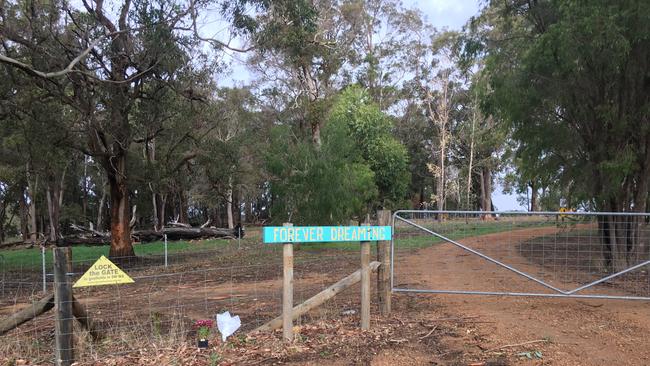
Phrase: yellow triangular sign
x=103 y=272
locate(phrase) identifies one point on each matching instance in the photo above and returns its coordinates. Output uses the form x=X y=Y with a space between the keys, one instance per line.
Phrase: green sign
x=324 y=234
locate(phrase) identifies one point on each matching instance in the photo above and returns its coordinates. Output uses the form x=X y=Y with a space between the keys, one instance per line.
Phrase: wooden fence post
x=365 y=284
x=64 y=352
x=287 y=290
x=383 y=273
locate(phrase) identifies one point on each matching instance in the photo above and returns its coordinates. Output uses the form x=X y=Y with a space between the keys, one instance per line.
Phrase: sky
x=450 y=14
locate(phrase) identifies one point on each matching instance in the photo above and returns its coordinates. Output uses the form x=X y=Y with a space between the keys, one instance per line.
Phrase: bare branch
x=213 y=40
x=48 y=75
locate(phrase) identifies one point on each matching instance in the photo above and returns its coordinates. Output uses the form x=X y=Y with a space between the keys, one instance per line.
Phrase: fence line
x=163 y=303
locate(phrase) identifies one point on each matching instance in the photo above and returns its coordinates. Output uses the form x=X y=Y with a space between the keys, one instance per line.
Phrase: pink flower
x=207 y=323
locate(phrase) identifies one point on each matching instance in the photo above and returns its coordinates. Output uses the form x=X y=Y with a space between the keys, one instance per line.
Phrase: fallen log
x=89 y=241
x=182 y=233
x=17 y=243
x=89 y=230
x=27 y=314
x=178 y=224
x=173 y=233
x=44 y=305
x=80 y=313
x=319 y=298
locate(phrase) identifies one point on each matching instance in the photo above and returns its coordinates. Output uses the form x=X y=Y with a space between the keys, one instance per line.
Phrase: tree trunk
x=622 y=246
x=32 y=185
x=315 y=134
x=440 y=187
x=182 y=207
x=100 y=209
x=158 y=218
x=248 y=211
x=162 y=205
x=121 y=245
x=469 y=170
x=53 y=209
x=617 y=243
x=24 y=215
x=154 y=216
x=533 y=197
x=84 y=198
x=229 y=196
x=28 y=313
x=3 y=211
x=237 y=206
x=486 y=190
x=218 y=220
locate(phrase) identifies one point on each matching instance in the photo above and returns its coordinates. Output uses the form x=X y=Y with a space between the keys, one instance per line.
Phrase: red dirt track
x=565 y=331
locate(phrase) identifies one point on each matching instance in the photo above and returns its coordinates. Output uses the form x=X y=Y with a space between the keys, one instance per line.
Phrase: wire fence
x=540 y=254
x=160 y=308
x=570 y=254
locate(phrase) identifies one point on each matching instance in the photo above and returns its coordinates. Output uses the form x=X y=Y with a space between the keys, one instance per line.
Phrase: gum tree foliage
x=359 y=167
x=228 y=152
x=572 y=80
x=317 y=187
x=299 y=48
x=370 y=130
x=114 y=67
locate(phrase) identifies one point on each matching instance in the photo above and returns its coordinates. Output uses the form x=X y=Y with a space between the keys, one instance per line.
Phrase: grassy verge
x=30 y=259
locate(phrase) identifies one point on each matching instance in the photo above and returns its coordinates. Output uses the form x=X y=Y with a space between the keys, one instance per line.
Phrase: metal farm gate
x=547 y=254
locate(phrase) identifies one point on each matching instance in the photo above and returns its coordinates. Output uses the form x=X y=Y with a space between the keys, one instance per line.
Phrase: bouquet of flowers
x=203 y=331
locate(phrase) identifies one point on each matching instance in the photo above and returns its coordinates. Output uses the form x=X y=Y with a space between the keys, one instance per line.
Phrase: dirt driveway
x=564 y=331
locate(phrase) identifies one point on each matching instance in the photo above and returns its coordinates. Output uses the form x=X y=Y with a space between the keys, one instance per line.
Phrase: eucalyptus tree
x=100 y=63
x=434 y=88
x=301 y=47
x=379 y=54
x=229 y=152
x=371 y=135
x=571 y=80
x=35 y=146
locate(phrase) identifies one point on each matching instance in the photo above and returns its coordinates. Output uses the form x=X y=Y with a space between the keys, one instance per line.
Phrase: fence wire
x=572 y=254
x=160 y=308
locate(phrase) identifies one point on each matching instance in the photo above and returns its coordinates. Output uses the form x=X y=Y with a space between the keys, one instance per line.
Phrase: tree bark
x=52 y=195
x=622 y=246
x=173 y=233
x=33 y=229
x=84 y=198
x=3 y=211
x=121 y=245
x=26 y=314
x=161 y=205
x=237 y=206
x=440 y=187
x=154 y=216
x=471 y=161
x=24 y=215
x=315 y=134
x=248 y=211
x=158 y=210
x=229 y=196
x=486 y=190
x=533 y=197
x=100 y=209
x=182 y=207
